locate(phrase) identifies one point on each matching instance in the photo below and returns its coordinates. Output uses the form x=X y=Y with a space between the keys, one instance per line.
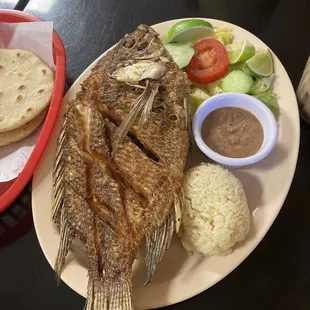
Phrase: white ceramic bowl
x=249 y=103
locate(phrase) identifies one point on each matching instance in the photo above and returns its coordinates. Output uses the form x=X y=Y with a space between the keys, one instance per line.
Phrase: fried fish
x=120 y=163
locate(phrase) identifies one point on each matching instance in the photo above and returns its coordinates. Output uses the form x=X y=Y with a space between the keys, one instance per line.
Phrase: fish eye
x=129 y=42
x=142 y=45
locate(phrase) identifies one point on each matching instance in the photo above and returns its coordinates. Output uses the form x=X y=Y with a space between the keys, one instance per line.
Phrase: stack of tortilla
x=26 y=85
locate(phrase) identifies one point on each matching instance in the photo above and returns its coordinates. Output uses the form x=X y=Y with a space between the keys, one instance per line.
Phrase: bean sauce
x=232 y=132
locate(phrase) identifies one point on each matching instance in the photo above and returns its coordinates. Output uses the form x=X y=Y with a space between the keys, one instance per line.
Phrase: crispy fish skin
x=119 y=168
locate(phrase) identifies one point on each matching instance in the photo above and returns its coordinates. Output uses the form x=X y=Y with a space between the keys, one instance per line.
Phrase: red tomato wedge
x=209 y=63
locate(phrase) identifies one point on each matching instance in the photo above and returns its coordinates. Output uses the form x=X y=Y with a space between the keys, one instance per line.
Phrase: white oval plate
x=180 y=276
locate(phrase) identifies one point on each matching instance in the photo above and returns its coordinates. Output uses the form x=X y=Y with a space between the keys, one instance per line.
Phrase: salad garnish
x=214 y=63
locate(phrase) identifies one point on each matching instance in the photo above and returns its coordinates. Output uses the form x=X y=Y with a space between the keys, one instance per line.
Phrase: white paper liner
x=35 y=37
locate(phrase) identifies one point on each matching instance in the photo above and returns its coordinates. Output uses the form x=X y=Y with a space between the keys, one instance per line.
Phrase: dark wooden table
x=277 y=274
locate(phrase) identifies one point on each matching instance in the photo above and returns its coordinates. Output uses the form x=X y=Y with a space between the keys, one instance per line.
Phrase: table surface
x=277 y=274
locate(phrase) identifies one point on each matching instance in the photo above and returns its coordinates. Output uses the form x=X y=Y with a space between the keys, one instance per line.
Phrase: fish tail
x=66 y=237
x=112 y=295
x=157 y=243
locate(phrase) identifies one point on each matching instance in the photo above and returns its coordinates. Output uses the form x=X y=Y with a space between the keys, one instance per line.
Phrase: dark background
x=276 y=274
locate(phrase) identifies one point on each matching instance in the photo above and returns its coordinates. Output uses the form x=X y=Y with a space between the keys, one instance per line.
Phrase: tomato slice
x=209 y=63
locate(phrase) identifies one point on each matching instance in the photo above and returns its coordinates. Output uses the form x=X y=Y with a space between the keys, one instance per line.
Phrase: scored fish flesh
x=119 y=168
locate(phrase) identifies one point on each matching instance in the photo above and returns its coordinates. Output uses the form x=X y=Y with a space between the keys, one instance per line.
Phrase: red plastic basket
x=10 y=190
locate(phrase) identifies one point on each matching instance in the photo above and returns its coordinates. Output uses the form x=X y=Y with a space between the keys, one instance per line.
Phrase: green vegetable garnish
x=270 y=100
x=181 y=53
x=198 y=96
x=190 y=30
x=261 y=64
x=214 y=89
x=237 y=81
x=239 y=52
x=262 y=85
x=240 y=66
x=224 y=35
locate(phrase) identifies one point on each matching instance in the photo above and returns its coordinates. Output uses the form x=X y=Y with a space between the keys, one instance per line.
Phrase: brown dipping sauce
x=232 y=132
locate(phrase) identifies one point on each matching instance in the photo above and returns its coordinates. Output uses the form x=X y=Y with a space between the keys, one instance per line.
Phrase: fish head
x=143 y=43
x=143 y=49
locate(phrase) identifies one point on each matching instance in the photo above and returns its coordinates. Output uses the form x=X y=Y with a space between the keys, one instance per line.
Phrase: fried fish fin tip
x=90 y=296
x=62 y=133
x=57 y=204
x=157 y=243
x=109 y=296
x=61 y=139
x=58 y=174
x=178 y=205
x=58 y=161
x=66 y=237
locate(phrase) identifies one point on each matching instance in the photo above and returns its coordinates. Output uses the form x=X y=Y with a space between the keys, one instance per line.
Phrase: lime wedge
x=240 y=51
x=261 y=64
x=241 y=66
x=190 y=30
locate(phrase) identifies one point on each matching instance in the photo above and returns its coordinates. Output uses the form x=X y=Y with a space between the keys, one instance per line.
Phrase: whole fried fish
x=119 y=167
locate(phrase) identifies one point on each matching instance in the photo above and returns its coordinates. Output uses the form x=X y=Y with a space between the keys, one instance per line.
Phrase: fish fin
x=157 y=243
x=127 y=123
x=178 y=204
x=58 y=174
x=135 y=85
x=146 y=113
x=66 y=237
x=112 y=295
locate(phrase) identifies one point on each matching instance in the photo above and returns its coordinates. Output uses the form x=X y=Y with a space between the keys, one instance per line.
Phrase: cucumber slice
x=237 y=81
x=181 y=53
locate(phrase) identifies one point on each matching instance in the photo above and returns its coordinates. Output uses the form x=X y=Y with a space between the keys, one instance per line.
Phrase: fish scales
x=120 y=164
x=168 y=116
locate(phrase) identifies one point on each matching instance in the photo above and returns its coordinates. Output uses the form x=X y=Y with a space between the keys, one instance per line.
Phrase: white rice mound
x=215 y=215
